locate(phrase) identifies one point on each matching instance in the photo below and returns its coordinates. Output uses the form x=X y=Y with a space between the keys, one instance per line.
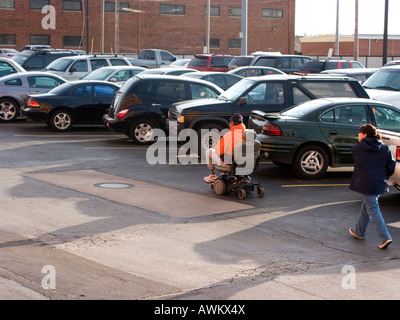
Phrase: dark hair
x=370 y=131
x=236 y=118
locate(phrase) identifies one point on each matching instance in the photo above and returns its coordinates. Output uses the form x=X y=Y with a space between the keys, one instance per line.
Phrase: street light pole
x=337 y=29
x=87 y=27
x=208 y=26
x=356 y=53
x=243 y=45
x=385 y=33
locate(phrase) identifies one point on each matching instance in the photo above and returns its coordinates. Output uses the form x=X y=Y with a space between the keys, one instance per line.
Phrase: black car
x=76 y=102
x=142 y=103
x=223 y=80
x=284 y=62
x=36 y=60
x=272 y=93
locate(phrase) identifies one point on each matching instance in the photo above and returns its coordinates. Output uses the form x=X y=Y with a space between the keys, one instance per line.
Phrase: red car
x=210 y=62
x=316 y=66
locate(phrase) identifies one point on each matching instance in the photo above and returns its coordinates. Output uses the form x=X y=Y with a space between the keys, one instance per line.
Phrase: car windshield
x=303 y=109
x=99 y=74
x=237 y=90
x=388 y=79
x=59 y=65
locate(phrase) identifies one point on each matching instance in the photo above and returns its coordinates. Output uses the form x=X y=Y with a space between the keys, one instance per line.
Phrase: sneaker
x=211 y=178
x=356 y=235
x=385 y=244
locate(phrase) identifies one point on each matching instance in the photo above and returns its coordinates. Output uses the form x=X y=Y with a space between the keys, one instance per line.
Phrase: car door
x=339 y=126
x=82 y=102
x=166 y=93
x=77 y=70
x=103 y=96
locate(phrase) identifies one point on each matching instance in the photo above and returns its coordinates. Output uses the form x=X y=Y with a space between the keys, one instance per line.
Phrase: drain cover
x=114 y=185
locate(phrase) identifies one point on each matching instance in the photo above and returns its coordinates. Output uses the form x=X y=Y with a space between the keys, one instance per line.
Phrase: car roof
x=287 y=77
x=30 y=74
x=350 y=71
x=394 y=67
x=170 y=77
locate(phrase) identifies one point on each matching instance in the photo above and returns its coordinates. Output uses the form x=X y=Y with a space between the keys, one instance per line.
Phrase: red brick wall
x=178 y=34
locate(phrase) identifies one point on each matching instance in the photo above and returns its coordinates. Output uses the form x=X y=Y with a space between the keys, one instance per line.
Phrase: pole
x=208 y=26
x=244 y=29
x=87 y=26
x=337 y=29
x=116 y=26
x=356 y=47
x=385 y=33
x=102 y=26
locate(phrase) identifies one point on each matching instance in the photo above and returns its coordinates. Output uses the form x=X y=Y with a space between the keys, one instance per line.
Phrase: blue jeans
x=370 y=211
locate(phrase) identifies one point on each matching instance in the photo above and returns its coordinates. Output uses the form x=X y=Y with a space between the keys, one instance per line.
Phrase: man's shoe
x=385 y=244
x=355 y=234
x=211 y=178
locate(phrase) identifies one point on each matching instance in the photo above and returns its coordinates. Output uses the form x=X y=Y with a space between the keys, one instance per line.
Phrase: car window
x=166 y=56
x=43 y=82
x=230 y=81
x=283 y=63
x=198 y=62
x=220 y=61
x=83 y=91
x=297 y=62
x=386 y=118
x=299 y=96
x=80 y=66
x=171 y=90
x=103 y=91
x=13 y=82
x=118 y=62
x=266 y=93
x=218 y=80
x=331 y=65
x=357 y=65
x=34 y=62
x=329 y=89
x=345 y=65
x=122 y=75
x=354 y=115
x=266 y=62
x=98 y=63
x=5 y=69
x=201 y=91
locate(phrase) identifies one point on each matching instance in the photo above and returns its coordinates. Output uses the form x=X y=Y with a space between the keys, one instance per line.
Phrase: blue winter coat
x=373 y=165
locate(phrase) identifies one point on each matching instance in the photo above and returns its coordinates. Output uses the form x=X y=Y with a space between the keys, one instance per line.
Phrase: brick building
x=177 y=26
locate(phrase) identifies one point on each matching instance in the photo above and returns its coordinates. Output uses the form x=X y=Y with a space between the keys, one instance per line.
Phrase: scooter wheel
x=242 y=194
x=260 y=192
x=219 y=187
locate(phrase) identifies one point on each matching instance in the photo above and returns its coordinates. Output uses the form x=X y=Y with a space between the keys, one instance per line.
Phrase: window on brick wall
x=172 y=9
x=234 y=43
x=272 y=13
x=72 y=41
x=72 y=5
x=38 y=4
x=110 y=6
x=214 y=11
x=40 y=39
x=7 y=4
x=235 y=11
x=214 y=43
x=7 y=39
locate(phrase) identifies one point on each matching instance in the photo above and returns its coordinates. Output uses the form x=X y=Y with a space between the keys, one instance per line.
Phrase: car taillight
x=33 y=103
x=398 y=154
x=122 y=113
x=271 y=129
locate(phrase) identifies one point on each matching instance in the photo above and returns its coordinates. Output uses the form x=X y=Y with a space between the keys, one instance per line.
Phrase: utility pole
x=243 y=45
x=116 y=26
x=102 y=26
x=87 y=27
x=208 y=26
x=337 y=29
x=356 y=48
x=385 y=33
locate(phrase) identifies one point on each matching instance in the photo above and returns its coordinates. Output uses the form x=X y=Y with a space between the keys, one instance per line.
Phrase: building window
x=40 y=39
x=235 y=11
x=272 y=13
x=214 y=43
x=72 y=5
x=7 y=4
x=7 y=39
x=214 y=11
x=110 y=7
x=172 y=9
x=234 y=43
x=38 y=4
x=72 y=41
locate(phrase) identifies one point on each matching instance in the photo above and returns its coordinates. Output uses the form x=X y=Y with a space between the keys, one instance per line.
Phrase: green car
x=319 y=133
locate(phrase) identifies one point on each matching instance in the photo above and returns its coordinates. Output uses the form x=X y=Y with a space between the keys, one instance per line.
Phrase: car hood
x=193 y=104
x=392 y=97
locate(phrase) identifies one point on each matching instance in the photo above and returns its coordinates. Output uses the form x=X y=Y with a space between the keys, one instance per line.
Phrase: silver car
x=8 y=53
x=14 y=87
x=8 y=66
x=116 y=74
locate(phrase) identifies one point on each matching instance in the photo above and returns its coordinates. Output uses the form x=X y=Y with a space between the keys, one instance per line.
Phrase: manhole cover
x=114 y=185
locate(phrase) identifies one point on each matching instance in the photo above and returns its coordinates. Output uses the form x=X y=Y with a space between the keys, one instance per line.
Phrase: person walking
x=373 y=165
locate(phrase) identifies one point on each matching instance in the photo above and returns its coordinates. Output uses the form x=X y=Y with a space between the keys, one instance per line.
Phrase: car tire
x=310 y=162
x=209 y=139
x=142 y=132
x=61 y=120
x=9 y=110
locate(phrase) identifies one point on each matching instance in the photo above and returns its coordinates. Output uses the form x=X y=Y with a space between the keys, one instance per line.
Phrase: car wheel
x=9 y=110
x=219 y=187
x=61 y=120
x=142 y=132
x=311 y=162
x=209 y=137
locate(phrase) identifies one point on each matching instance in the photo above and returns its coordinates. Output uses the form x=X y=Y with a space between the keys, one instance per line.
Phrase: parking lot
x=113 y=226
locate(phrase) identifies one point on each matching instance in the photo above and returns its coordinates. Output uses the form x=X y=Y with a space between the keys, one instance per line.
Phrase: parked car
x=76 y=102
x=7 y=66
x=284 y=62
x=35 y=47
x=142 y=103
x=392 y=139
x=392 y=63
x=152 y=58
x=75 y=68
x=317 y=66
x=36 y=60
x=240 y=61
x=179 y=63
x=268 y=93
x=116 y=74
x=360 y=74
x=8 y=53
x=255 y=71
x=169 y=71
x=221 y=79
x=320 y=133
x=384 y=85
x=210 y=62
x=14 y=87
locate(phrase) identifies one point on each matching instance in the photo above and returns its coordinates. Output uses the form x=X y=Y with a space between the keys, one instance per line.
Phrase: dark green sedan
x=319 y=133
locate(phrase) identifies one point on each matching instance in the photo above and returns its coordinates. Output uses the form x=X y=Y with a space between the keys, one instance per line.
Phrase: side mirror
x=73 y=69
x=242 y=100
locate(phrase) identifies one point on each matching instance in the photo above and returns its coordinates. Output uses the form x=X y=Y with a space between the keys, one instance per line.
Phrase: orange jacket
x=227 y=142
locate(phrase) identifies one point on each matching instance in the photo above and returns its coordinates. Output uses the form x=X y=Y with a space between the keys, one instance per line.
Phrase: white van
x=76 y=67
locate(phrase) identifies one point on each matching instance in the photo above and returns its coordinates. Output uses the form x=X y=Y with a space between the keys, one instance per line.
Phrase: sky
x=315 y=17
